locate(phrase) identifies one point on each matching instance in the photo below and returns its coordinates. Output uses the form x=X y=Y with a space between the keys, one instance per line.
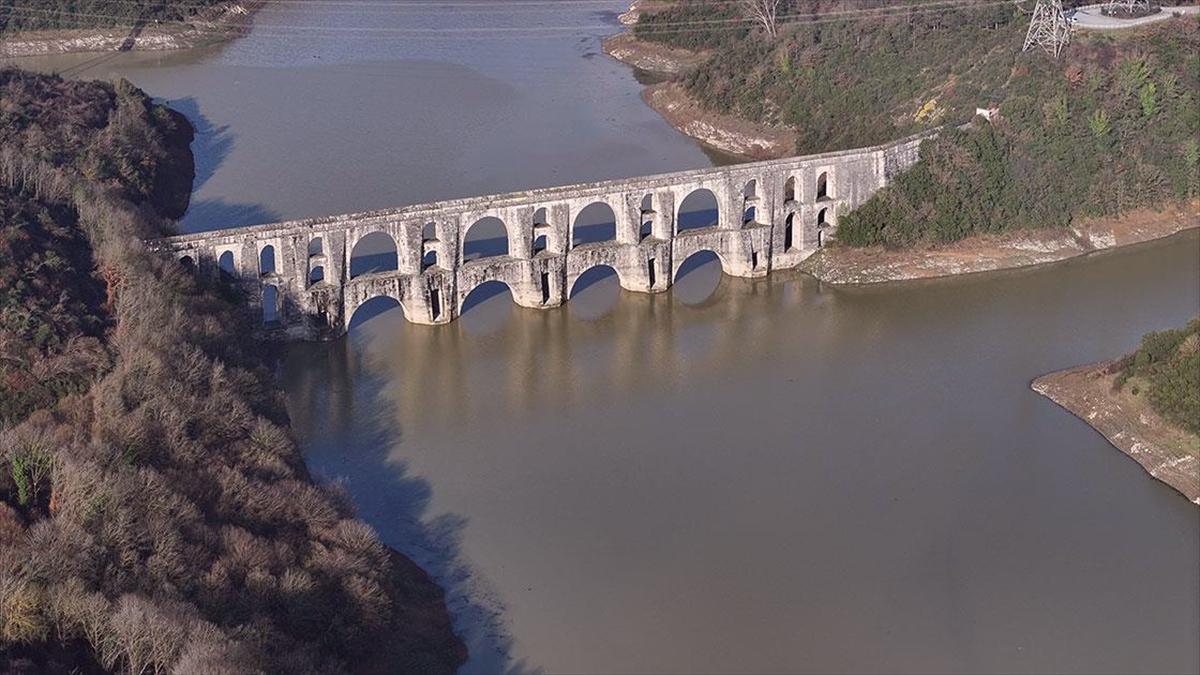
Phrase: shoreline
x=1167 y=453
x=846 y=266
x=742 y=140
x=211 y=26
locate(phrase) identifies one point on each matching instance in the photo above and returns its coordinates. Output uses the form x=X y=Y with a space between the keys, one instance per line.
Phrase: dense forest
x=155 y=514
x=19 y=15
x=1111 y=126
x=1166 y=370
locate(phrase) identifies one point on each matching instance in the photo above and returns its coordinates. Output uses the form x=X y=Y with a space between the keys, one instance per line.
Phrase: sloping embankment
x=1022 y=248
x=1167 y=452
x=725 y=133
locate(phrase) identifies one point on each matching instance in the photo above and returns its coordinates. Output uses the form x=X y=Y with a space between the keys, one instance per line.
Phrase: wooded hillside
x=155 y=513
x=19 y=15
x=1112 y=125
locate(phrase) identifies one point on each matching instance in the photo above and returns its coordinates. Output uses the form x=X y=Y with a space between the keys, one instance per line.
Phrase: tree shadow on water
x=211 y=146
x=348 y=430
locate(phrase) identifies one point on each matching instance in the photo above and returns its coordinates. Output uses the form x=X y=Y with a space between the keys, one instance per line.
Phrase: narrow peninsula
x=1147 y=404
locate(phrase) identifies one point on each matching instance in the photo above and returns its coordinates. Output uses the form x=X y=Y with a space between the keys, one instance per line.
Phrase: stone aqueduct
x=770 y=215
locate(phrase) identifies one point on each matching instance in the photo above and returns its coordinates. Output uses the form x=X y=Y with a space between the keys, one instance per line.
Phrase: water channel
x=736 y=476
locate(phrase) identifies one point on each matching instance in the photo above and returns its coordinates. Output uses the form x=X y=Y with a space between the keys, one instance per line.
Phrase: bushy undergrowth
x=1113 y=125
x=1167 y=366
x=18 y=15
x=161 y=519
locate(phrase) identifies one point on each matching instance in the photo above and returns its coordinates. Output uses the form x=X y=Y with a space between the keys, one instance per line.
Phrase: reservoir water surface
x=736 y=476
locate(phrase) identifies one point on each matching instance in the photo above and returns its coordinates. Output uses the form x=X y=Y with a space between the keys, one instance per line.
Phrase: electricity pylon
x=1130 y=6
x=1049 y=28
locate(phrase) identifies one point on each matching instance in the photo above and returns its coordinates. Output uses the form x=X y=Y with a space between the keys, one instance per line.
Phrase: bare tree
x=764 y=13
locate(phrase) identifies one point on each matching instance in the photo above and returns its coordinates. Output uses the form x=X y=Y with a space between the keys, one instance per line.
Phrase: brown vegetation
x=157 y=516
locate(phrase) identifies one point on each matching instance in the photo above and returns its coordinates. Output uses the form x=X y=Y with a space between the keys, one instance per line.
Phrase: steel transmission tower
x=1049 y=28
x=1130 y=6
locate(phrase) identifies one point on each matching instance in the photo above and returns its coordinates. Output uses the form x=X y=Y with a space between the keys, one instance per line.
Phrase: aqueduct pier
x=769 y=215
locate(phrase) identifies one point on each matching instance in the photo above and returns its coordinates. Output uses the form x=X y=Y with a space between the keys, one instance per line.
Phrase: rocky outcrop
x=723 y=132
x=651 y=56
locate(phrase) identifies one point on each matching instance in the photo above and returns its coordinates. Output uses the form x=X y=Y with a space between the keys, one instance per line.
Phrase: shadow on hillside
x=347 y=427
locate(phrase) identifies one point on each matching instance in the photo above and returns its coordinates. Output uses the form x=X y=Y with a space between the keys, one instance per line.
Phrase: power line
x=665 y=28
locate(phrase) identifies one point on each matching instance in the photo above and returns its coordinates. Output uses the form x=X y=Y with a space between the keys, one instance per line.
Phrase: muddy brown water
x=737 y=476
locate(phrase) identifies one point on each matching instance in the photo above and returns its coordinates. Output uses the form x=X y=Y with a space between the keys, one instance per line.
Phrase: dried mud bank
x=848 y=265
x=216 y=24
x=1167 y=452
x=724 y=133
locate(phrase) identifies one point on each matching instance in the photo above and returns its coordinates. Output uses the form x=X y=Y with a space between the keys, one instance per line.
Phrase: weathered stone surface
x=792 y=218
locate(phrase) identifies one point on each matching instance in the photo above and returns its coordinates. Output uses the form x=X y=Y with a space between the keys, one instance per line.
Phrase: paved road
x=1089 y=17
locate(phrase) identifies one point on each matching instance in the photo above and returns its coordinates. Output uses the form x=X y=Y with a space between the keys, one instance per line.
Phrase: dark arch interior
x=698 y=210
x=429 y=232
x=487 y=237
x=596 y=222
x=371 y=309
x=539 y=243
x=225 y=262
x=428 y=260
x=270 y=304
x=646 y=225
x=316 y=247
x=789 y=189
x=750 y=202
x=187 y=262
x=266 y=260
x=821 y=215
x=823 y=186
x=375 y=252
x=484 y=292
x=789 y=232
x=316 y=274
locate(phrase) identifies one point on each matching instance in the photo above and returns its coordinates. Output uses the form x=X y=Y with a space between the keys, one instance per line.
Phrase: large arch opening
x=486 y=308
x=823 y=217
x=369 y=311
x=823 y=186
x=789 y=232
x=266 y=260
x=227 y=266
x=697 y=278
x=595 y=292
x=789 y=189
x=485 y=238
x=316 y=246
x=595 y=223
x=375 y=252
x=698 y=210
x=270 y=305
x=316 y=275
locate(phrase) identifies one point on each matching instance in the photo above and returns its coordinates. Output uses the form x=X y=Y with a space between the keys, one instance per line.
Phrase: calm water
x=768 y=476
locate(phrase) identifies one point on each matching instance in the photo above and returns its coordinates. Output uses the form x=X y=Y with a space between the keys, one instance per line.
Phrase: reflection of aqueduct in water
x=769 y=215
